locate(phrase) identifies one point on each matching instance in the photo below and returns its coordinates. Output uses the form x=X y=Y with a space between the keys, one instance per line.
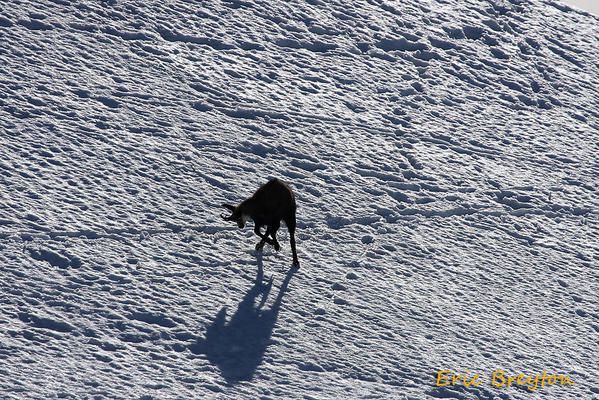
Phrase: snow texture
x=444 y=158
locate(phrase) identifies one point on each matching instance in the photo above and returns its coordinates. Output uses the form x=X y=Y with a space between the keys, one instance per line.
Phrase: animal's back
x=276 y=194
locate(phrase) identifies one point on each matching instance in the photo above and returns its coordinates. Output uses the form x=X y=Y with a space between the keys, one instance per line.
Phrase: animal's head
x=236 y=215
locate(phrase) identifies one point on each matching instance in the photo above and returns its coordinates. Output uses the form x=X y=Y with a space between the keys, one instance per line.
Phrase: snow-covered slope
x=444 y=157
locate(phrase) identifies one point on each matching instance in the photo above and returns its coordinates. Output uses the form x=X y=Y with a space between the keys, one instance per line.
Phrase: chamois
x=272 y=203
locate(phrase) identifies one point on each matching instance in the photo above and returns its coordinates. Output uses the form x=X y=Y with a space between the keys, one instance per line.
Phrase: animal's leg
x=291 y=226
x=264 y=237
x=273 y=234
x=293 y=251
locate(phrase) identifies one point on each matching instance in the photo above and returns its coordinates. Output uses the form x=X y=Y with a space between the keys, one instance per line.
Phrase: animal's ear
x=229 y=207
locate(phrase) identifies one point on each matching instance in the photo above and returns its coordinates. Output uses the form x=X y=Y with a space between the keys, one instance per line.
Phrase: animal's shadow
x=238 y=346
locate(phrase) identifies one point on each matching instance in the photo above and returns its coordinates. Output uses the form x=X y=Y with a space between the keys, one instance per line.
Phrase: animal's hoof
x=277 y=247
x=259 y=246
x=295 y=264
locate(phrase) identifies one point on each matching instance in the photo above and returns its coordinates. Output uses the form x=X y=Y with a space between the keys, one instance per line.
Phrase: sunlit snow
x=444 y=158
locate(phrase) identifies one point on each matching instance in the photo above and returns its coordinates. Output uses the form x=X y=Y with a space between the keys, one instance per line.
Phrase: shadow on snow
x=237 y=347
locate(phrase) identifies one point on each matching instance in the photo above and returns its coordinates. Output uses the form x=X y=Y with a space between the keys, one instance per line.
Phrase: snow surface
x=444 y=157
x=586 y=5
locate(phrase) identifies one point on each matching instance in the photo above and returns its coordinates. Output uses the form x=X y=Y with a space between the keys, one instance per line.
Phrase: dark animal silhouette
x=272 y=203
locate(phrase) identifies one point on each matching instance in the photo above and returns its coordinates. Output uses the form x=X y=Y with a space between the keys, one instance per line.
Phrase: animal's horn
x=229 y=207
x=223 y=216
